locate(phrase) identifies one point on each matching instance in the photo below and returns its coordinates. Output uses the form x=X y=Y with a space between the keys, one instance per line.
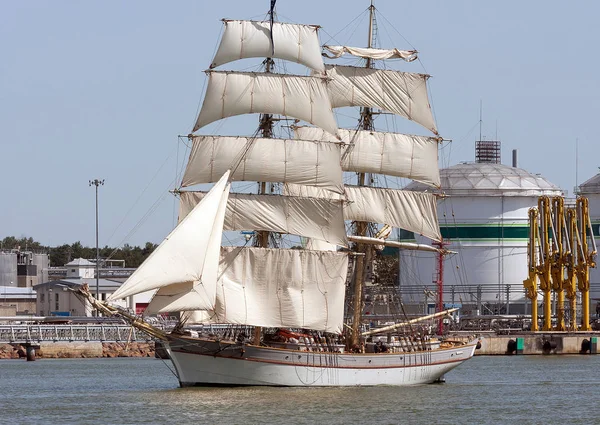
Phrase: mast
x=266 y=128
x=365 y=251
x=440 y=282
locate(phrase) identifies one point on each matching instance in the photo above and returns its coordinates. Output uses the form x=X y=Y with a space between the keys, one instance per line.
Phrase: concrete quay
x=549 y=343
x=77 y=349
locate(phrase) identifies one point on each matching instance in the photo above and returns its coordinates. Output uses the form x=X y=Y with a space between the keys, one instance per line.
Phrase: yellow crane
x=585 y=259
x=544 y=267
x=570 y=283
x=557 y=259
x=531 y=283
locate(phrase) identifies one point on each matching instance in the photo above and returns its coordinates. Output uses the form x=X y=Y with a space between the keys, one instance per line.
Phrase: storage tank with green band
x=484 y=216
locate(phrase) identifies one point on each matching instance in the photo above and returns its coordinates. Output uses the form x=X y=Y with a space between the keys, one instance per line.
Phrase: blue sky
x=102 y=89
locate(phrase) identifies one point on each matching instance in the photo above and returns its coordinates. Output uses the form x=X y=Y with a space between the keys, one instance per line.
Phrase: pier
x=31 y=340
x=37 y=333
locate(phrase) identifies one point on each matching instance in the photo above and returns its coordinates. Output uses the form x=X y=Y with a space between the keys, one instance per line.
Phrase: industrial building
x=28 y=285
x=484 y=219
x=20 y=271
x=16 y=301
x=23 y=269
x=55 y=299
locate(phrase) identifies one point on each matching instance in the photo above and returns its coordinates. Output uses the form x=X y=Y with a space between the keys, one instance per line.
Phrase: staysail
x=305 y=162
x=392 y=154
x=187 y=258
x=232 y=93
x=252 y=39
x=321 y=219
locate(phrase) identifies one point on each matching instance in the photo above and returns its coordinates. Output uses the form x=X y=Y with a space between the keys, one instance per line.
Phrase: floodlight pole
x=97 y=182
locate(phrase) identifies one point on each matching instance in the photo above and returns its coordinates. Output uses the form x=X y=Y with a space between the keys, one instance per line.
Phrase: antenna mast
x=576 y=188
x=480 y=116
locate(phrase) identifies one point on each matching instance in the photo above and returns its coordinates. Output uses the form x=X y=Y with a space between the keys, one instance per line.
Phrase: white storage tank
x=591 y=190
x=484 y=217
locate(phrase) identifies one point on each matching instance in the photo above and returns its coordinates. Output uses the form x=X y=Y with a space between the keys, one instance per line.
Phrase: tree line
x=61 y=255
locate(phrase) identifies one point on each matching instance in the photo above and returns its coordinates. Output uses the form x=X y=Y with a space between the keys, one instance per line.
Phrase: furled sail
x=188 y=258
x=303 y=162
x=236 y=93
x=393 y=154
x=370 y=53
x=309 y=217
x=293 y=288
x=251 y=39
x=412 y=211
x=401 y=93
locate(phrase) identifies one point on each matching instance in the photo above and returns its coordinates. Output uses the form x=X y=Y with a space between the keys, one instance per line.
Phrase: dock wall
x=55 y=350
x=539 y=343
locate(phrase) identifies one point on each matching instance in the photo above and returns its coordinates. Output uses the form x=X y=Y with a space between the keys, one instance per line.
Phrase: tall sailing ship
x=293 y=317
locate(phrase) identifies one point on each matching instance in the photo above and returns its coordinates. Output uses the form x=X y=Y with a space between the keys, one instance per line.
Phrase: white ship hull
x=202 y=362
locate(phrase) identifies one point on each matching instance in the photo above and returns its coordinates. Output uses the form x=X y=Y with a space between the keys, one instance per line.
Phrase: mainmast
x=367 y=113
x=365 y=252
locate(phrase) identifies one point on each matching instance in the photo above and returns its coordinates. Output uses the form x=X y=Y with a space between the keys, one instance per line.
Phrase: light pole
x=49 y=301
x=97 y=182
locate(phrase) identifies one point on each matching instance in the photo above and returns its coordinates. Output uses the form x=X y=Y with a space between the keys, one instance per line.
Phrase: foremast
x=266 y=129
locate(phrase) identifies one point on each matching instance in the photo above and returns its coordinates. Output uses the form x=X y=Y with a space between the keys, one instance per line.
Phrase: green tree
x=63 y=254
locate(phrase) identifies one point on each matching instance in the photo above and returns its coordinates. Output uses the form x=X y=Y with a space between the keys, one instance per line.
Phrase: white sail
x=281 y=288
x=252 y=39
x=370 y=53
x=320 y=245
x=309 y=217
x=303 y=162
x=401 y=93
x=392 y=154
x=237 y=93
x=310 y=192
x=412 y=211
x=192 y=317
x=188 y=257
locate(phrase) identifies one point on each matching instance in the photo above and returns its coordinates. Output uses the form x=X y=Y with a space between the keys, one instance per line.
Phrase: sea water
x=484 y=390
